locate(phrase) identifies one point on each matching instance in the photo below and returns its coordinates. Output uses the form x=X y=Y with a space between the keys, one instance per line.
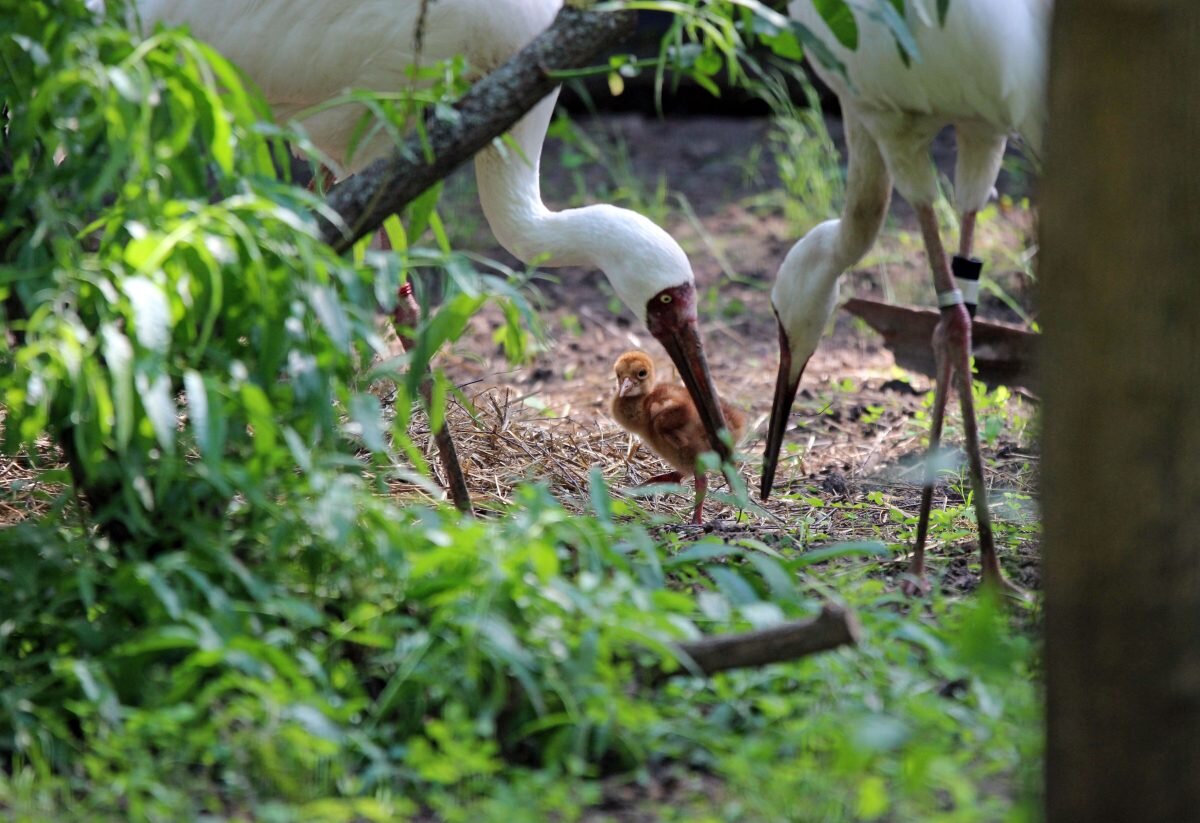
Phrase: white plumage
x=983 y=72
x=987 y=64
x=306 y=53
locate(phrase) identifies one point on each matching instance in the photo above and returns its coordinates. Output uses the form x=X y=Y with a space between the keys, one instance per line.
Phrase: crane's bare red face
x=671 y=309
x=671 y=318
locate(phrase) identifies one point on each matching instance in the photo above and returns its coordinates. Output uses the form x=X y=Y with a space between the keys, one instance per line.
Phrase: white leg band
x=969 y=289
x=946 y=299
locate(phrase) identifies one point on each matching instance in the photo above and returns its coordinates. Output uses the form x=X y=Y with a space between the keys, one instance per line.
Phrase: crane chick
x=666 y=420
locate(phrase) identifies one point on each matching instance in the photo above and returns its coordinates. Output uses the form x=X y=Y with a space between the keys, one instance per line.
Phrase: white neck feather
x=806 y=289
x=805 y=292
x=638 y=257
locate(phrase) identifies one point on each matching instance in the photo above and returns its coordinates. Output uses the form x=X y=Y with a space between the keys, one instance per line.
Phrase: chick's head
x=635 y=374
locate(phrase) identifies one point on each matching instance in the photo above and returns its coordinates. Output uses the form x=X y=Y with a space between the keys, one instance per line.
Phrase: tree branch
x=789 y=641
x=487 y=111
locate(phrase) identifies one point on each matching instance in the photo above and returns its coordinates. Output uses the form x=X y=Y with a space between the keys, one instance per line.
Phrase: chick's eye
x=642 y=374
x=666 y=298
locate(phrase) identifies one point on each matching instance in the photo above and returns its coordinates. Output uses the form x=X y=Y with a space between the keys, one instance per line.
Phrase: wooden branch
x=487 y=111
x=789 y=641
x=1005 y=355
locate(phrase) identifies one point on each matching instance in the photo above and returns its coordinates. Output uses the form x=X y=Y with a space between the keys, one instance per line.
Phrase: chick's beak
x=687 y=353
x=781 y=408
x=626 y=387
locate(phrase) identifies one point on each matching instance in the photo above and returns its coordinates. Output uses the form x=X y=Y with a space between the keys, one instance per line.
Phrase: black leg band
x=966 y=272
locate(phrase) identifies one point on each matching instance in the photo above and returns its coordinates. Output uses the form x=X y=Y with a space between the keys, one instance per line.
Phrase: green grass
x=219 y=611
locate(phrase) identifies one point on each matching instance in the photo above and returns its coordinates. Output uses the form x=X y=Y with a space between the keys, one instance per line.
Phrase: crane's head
x=803 y=299
x=671 y=318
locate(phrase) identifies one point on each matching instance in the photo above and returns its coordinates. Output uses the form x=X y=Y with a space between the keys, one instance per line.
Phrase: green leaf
x=159 y=639
x=891 y=14
x=162 y=590
x=331 y=313
x=366 y=414
x=258 y=409
x=785 y=45
x=733 y=585
x=880 y=733
x=314 y=722
x=396 y=234
x=151 y=313
x=872 y=798
x=598 y=489
x=778 y=579
x=421 y=210
x=840 y=19
x=869 y=548
x=118 y=357
x=701 y=552
x=154 y=390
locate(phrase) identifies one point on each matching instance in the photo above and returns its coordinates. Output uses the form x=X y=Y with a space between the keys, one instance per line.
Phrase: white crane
x=304 y=53
x=982 y=71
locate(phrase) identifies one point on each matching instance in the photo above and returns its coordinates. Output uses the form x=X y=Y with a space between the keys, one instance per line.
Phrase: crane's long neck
x=637 y=256
x=509 y=180
x=806 y=288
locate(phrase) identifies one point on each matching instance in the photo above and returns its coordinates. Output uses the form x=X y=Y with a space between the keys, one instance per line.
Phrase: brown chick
x=666 y=420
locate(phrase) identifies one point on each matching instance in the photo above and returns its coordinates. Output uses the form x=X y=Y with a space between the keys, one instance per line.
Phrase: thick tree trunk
x=1121 y=290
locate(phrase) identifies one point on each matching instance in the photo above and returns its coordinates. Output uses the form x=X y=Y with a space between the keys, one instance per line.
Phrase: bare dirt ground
x=852 y=464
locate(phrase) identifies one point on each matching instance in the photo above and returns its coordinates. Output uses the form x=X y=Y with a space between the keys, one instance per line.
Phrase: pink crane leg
x=952 y=350
x=701 y=491
x=407 y=315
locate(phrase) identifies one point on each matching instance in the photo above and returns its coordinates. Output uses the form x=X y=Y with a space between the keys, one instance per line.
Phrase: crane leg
x=701 y=492
x=966 y=269
x=917 y=584
x=407 y=315
x=952 y=347
x=966 y=233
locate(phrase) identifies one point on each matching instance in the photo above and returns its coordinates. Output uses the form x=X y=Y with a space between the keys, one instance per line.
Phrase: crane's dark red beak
x=671 y=318
x=781 y=409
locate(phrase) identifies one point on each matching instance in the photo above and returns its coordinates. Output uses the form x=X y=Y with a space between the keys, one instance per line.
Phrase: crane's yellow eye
x=666 y=298
x=642 y=374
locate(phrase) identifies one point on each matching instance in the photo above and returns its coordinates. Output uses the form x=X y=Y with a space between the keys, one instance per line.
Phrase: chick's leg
x=634 y=443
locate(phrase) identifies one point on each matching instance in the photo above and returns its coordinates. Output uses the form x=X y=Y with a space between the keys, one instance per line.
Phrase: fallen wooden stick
x=833 y=627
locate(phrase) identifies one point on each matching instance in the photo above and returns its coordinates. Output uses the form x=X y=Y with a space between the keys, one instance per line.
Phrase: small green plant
x=602 y=169
x=808 y=164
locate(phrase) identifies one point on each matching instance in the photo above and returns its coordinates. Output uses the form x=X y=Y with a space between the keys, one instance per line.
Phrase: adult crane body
x=305 y=53
x=981 y=70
